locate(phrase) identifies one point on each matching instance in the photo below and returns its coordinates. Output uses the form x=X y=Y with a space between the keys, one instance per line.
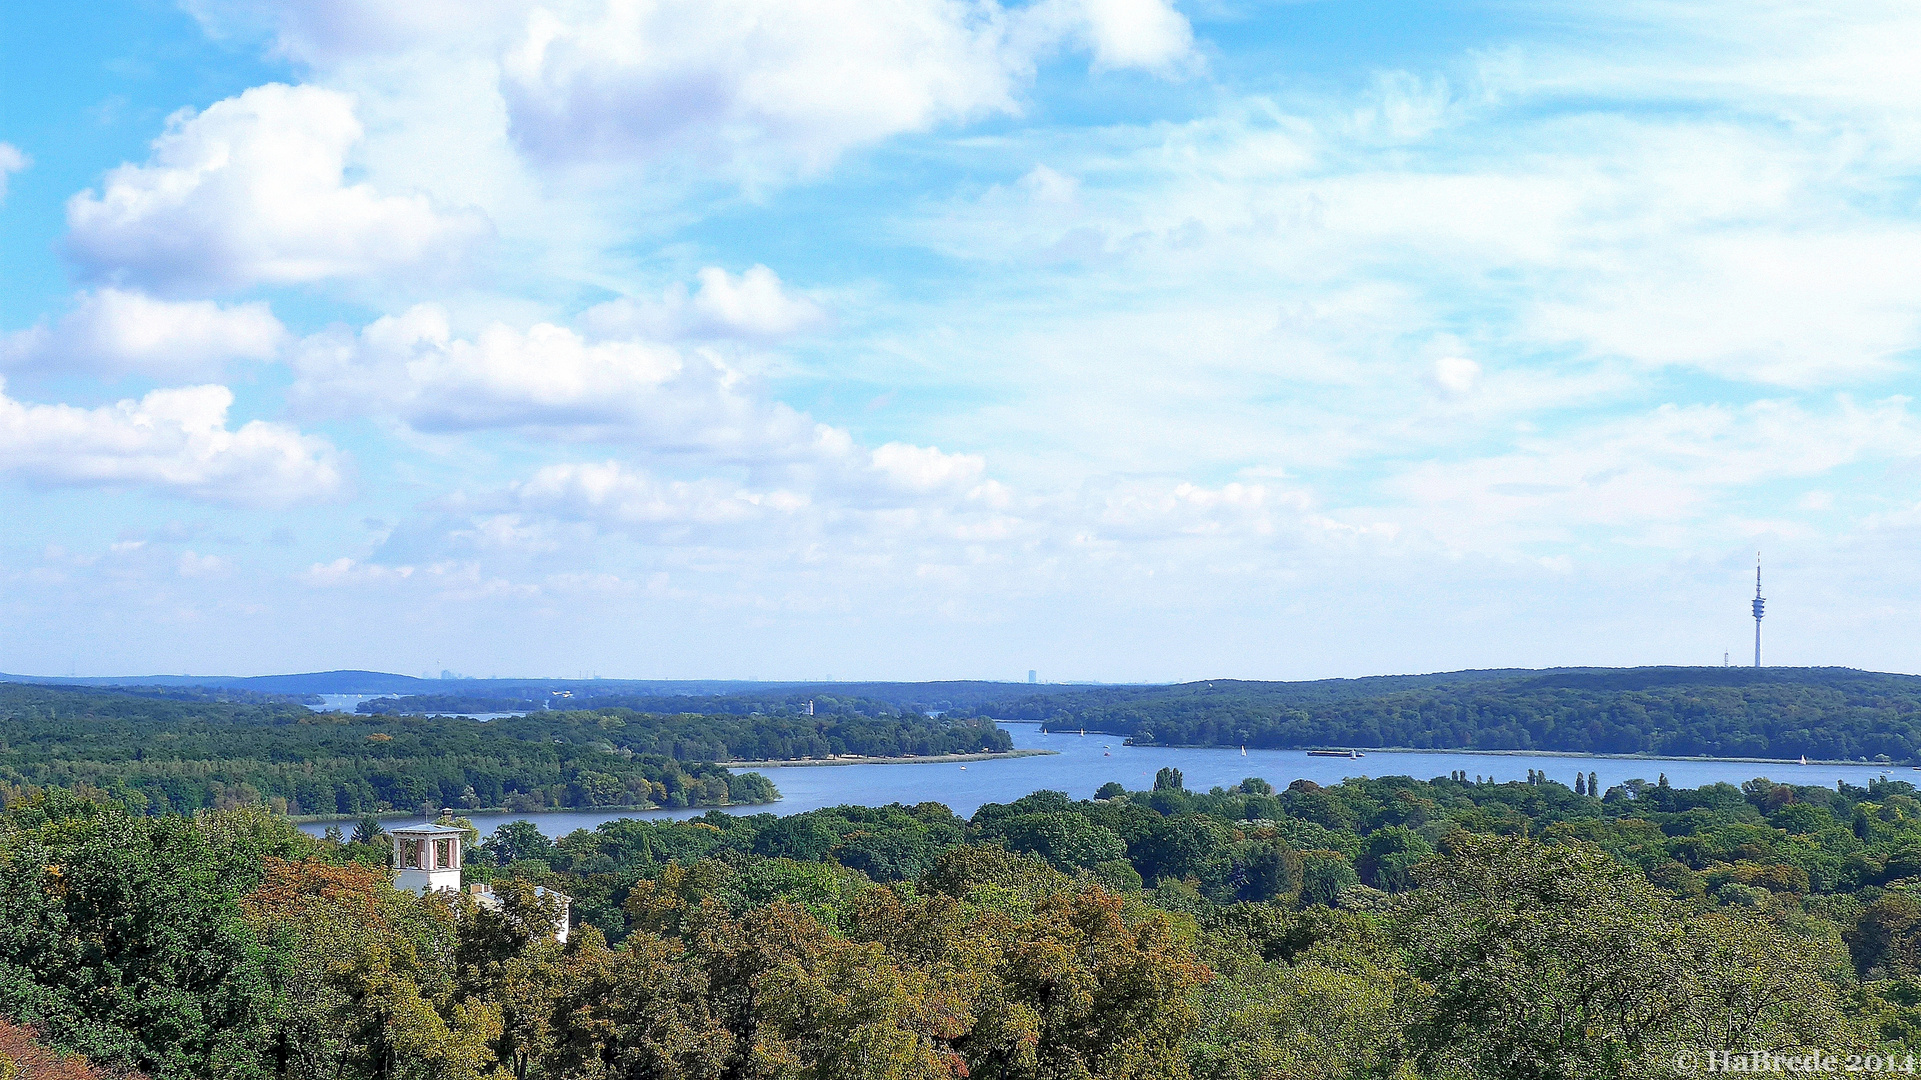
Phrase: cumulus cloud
x=752 y=306
x=113 y=332
x=760 y=86
x=252 y=190
x=800 y=82
x=174 y=441
x=638 y=80
x=11 y=161
x=414 y=368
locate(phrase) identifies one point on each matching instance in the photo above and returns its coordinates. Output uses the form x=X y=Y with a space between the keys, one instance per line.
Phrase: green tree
x=1558 y=961
x=516 y=840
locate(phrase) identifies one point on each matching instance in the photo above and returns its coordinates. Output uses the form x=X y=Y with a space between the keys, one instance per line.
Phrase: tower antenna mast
x=1759 y=604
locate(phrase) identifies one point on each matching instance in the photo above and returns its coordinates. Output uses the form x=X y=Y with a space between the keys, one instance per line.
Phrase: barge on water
x=1336 y=753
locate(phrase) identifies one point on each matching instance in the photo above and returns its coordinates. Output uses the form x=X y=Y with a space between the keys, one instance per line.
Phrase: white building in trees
x=427 y=859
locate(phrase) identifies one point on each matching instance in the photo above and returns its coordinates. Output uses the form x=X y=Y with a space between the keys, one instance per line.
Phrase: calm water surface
x=350 y=703
x=1086 y=762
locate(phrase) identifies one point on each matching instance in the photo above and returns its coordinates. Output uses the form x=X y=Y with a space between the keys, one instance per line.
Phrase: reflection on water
x=1084 y=763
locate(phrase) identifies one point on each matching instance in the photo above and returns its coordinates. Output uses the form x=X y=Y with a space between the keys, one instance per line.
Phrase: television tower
x=1759 y=603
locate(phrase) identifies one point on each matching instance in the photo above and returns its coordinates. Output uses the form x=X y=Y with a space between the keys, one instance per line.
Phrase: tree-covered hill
x=721 y=699
x=838 y=726
x=159 y=753
x=699 y=737
x=1823 y=713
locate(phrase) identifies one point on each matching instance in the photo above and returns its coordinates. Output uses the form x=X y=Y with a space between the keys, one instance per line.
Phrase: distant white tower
x=1759 y=604
x=427 y=858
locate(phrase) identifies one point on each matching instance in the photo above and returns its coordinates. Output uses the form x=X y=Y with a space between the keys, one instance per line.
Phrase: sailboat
x=1243 y=751
x=1804 y=759
x=1083 y=733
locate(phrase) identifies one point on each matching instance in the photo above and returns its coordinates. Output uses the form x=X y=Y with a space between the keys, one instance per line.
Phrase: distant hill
x=319 y=682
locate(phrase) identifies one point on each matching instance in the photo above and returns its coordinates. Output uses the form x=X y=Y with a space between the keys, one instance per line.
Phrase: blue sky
x=1120 y=339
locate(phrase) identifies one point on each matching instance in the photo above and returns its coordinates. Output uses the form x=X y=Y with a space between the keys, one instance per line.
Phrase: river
x=1084 y=763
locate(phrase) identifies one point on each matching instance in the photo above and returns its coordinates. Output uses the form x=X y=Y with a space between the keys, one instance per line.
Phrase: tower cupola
x=427 y=858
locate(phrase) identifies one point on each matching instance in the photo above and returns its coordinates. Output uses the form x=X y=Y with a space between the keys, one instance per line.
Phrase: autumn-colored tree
x=24 y=1057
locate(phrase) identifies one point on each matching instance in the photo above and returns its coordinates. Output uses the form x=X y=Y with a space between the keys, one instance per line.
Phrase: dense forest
x=1823 y=713
x=785 y=732
x=1380 y=928
x=873 y=700
x=787 y=736
x=162 y=751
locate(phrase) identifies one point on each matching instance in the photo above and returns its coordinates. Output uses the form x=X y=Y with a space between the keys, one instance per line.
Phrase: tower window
x=410 y=852
x=444 y=854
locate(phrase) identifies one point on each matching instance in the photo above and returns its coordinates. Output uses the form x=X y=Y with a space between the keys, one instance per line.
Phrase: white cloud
x=772 y=82
x=756 y=88
x=11 y=161
x=325 y=32
x=346 y=571
x=192 y=564
x=623 y=497
x=1755 y=305
x=414 y=368
x=1455 y=376
x=174 y=441
x=1146 y=34
x=253 y=190
x=645 y=80
x=926 y=468
x=752 y=306
x=1669 y=477
x=112 y=332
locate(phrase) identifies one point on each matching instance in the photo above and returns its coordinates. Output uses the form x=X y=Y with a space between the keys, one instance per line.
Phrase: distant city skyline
x=1117 y=340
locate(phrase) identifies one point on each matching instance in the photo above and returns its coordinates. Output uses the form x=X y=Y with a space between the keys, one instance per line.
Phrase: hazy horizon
x=460 y=677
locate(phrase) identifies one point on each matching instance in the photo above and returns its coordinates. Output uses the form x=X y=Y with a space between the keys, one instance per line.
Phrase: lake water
x=350 y=703
x=1084 y=763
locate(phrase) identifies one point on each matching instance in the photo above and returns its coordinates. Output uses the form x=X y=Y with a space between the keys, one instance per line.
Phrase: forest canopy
x=155 y=753
x=1784 y=713
x=1834 y=714
x=1388 y=929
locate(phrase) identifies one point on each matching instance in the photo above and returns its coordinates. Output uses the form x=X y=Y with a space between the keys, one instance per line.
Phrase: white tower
x=427 y=858
x=1759 y=603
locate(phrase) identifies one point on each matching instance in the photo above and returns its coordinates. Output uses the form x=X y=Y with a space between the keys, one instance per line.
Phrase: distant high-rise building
x=1033 y=676
x=1759 y=604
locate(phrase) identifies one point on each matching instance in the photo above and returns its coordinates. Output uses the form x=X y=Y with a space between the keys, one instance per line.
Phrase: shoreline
x=1367 y=750
x=929 y=759
x=321 y=819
